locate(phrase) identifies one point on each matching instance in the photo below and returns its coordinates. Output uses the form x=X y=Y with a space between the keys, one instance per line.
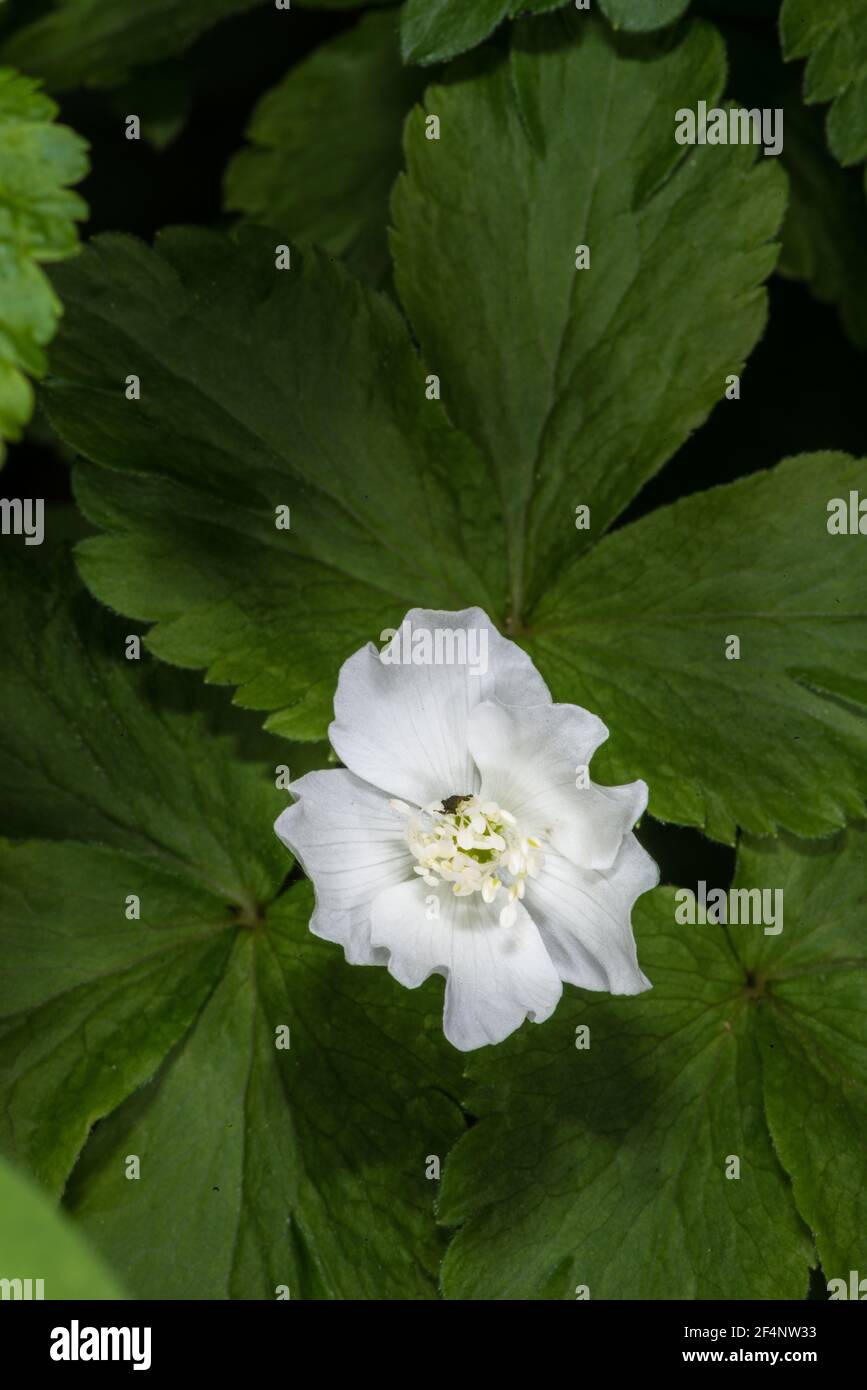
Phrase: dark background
x=804 y=387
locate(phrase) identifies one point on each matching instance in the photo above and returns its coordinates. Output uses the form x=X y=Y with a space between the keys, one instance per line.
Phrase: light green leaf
x=833 y=37
x=260 y=389
x=580 y=384
x=37 y=1242
x=95 y=43
x=639 y=628
x=325 y=146
x=139 y=794
x=606 y=1166
x=38 y=212
x=433 y=30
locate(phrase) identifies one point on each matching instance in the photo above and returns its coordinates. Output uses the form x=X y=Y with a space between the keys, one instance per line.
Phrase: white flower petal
x=495 y=976
x=404 y=727
x=583 y=918
x=528 y=760
x=351 y=843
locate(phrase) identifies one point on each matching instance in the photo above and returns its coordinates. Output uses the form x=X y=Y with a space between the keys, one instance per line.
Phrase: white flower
x=456 y=841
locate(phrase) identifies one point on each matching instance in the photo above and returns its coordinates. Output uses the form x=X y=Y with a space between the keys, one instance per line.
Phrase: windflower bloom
x=464 y=838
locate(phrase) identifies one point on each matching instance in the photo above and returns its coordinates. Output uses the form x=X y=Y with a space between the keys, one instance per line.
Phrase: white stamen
x=489 y=889
x=477 y=848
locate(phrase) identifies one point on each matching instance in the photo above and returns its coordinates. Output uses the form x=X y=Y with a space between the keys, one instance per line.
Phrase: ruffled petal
x=350 y=842
x=495 y=976
x=528 y=761
x=584 y=917
x=403 y=727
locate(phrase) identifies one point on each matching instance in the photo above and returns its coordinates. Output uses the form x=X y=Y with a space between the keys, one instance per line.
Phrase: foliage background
x=805 y=377
x=803 y=389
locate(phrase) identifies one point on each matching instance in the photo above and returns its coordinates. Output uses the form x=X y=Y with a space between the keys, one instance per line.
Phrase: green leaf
x=639 y=627
x=325 y=146
x=824 y=240
x=813 y=1034
x=141 y=795
x=260 y=389
x=161 y=97
x=433 y=30
x=38 y=212
x=264 y=388
x=824 y=235
x=127 y=779
x=311 y=1172
x=95 y=43
x=579 y=384
x=605 y=1166
x=833 y=37
x=139 y=790
x=641 y=16
x=37 y=1242
x=91 y=1002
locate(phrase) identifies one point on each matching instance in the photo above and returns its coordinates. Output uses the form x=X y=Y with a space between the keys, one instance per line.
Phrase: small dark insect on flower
x=508 y=901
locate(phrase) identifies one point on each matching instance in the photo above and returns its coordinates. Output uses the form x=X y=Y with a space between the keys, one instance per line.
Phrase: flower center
x=475 y=846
